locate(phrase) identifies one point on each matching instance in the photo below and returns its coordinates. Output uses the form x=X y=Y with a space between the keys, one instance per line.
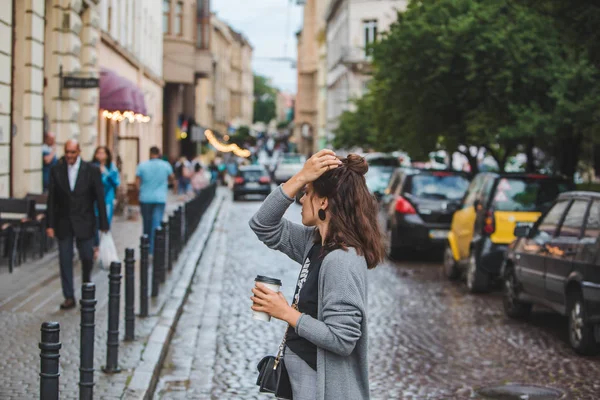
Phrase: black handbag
x=272 y=374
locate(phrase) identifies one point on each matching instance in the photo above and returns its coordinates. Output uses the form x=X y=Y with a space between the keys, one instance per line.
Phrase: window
x=439 y=185
x=370 y=32
x=178 y=18
x=473 y=191
x=109 y=14
x=522 y=194
x=550 y=222
x=592 y=229
x=573 y=223
x=166 y=16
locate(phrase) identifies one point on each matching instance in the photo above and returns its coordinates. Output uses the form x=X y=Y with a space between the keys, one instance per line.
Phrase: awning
x=120 y=94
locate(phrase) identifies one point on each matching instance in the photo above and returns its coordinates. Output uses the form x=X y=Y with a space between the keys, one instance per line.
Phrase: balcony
x=204 y=63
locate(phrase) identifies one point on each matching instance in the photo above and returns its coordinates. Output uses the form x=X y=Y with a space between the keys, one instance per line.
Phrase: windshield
x=443 y=186
x=292 y=160
x=378 y=178
x=253 y=174
x=520 y=194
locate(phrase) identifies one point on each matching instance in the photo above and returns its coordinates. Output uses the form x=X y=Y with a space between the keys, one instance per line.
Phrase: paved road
x=429 y=338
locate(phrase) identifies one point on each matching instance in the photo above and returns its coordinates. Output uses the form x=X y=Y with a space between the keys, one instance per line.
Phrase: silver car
x=288 y=165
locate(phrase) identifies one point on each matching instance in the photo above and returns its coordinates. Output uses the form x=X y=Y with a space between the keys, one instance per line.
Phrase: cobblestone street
x=429 y=339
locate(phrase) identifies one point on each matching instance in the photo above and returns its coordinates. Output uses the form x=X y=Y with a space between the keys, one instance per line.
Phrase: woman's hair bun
x=357 y=164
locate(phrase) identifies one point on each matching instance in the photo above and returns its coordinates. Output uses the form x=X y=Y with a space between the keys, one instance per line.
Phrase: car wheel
x=581 y=332
x=513 y=307
x=390 y=245
x=450 y=268
x=478 y=281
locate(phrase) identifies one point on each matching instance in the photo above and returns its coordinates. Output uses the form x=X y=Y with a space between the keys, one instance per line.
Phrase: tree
x=265 y=96
x=459 y=74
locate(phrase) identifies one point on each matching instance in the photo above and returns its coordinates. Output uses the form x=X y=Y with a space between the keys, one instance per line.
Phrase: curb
x=146 y=374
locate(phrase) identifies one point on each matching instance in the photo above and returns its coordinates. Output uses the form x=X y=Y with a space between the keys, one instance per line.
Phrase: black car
x=419 y=205
x=252 y=179
x=556 y=263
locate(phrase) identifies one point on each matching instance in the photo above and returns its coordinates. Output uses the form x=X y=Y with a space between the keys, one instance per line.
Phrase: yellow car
x=483 y=227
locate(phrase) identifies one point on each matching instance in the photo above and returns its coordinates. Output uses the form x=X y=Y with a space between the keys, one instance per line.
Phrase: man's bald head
x=49 y=138
x=72 y=150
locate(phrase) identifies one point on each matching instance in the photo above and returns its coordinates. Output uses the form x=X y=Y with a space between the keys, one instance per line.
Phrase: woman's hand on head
x=318 y=164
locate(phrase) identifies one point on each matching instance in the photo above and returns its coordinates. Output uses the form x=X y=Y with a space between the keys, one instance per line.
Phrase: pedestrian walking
x=110 y=182
x=152 y=179
x=183 y=174
x=199 y=179
x=48 y=158
x=339 y=242
x=75 y=187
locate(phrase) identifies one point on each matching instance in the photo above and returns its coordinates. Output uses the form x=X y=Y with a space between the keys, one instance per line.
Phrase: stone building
x=351 y=25
x=44 y=41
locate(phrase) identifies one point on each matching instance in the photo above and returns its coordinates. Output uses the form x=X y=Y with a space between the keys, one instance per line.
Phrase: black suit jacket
x=72 y=212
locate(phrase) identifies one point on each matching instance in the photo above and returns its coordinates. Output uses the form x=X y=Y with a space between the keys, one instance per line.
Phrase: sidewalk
x=31 y=295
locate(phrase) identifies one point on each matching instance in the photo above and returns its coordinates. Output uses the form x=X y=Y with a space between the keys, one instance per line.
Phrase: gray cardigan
x=340 y=332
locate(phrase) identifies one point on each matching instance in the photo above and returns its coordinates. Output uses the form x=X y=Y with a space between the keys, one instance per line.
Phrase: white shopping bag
x=107 y=250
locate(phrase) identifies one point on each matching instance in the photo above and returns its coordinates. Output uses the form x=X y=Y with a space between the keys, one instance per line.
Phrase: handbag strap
x=282 y=345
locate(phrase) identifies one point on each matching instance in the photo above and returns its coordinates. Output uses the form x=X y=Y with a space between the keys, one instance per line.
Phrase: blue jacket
x=110 y=181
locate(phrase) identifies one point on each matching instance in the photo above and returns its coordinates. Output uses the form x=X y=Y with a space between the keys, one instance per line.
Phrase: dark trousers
x=85 y=247
x=152 y=216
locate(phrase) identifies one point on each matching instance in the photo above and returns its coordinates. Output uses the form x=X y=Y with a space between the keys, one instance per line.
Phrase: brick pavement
x=27 y=301
x=429 y=339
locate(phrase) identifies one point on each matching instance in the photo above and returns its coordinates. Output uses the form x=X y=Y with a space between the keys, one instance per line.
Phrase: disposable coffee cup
x=271 y=283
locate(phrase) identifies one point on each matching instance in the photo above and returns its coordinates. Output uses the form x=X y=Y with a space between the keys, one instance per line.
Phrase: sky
x=270 y=26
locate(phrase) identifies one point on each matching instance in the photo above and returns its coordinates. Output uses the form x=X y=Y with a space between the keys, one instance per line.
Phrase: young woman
x=110 y=181
x=326 y=347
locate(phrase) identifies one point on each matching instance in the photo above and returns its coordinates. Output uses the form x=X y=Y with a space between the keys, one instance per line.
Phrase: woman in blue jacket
x=110 y=181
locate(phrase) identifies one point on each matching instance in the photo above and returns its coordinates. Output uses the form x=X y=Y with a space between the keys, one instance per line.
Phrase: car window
x=439 y=185
x=592 y=229
x=549 y=223
x=377 y=178
x=253 y=174
x=473 y=191
x=486 y=190
x=292 y=160
x=522 y=194
x=571 y=227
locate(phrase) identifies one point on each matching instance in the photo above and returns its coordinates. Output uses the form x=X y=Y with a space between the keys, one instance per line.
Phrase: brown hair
x=353 y=210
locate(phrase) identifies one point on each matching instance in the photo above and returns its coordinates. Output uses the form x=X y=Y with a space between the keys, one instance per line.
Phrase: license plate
x=252 y=185
x=438 y=234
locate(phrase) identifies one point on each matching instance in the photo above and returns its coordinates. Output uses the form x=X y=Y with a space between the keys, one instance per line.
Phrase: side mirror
x=522 y=231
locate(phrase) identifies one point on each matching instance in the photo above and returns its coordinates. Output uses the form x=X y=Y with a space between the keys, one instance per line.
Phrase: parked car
x=556 y=263
x=419 y=205
x=483 y=227
x=288 y=165
x=378 y=179
x=251 y=179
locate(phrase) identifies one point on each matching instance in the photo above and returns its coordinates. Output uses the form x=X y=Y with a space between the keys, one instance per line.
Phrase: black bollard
x=49 y=355
x=86 y=344
x=144 y=248
x=129 y=294
x=158 y=261
x=114 y=302
x=172 y=242
x=167 y=234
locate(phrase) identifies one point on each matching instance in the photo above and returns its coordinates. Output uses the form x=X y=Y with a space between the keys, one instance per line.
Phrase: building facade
x=187 y=69
x=45 y=42
x=233 y=84
x=306 y=118
x=130 y=53
x=351 y=26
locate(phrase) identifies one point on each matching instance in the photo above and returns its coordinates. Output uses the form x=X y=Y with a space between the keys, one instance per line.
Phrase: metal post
x=144 y=248
x=114 y=301
x=172 y=243
x=167 y=228
x=180 y=229
x=86 y=344
x=158 y=260
x=129 y=294
x=49 y=355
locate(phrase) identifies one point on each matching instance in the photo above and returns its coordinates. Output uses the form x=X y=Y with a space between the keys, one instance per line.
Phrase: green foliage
x=242 y=136
x=492 y=74
x=265 y=96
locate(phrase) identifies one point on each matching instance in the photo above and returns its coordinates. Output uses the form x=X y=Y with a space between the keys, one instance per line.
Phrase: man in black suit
x=75 y=186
